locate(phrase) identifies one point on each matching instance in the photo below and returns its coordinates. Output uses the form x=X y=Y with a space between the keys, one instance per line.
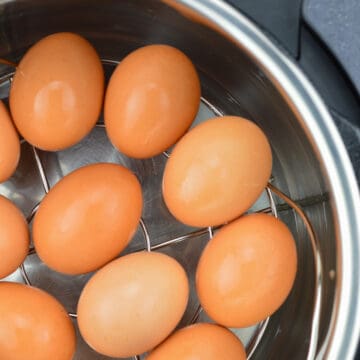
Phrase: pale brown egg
x=132 y=304
x=14 y=237
x=247 y=270
x=87 y=218
x=152 y=99
x=9 y=145
x=33 y=325
x=217 y=171
x=57 y=91
x=200 y=342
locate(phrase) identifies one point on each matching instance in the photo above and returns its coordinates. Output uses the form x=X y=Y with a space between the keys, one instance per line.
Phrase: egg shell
x=57 y=91
x=87 y=218
x=33 y=325
x=200 y=342
x=217 y=171
x=14 y=237
x=247 y=270
x=132 y=304
x=152 y=98
x=9 y=145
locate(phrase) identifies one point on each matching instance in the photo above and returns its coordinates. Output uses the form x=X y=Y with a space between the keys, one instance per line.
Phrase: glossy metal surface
x=343 y=330
x=242 y=73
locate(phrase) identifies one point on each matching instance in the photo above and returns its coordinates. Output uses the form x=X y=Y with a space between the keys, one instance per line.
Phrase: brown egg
x=152 y=99
x=33 y=325
x=14 y=238
x=200 y=342
x=57 y=91
x=247 y=270
x=217 y=171
x=9 y=145
x=87 y=218
x=132 y=304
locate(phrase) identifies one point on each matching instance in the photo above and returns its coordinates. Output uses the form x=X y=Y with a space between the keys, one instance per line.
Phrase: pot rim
x=307 y=105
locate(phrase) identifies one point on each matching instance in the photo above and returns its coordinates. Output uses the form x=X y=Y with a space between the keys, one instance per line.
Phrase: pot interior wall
x=233 y=84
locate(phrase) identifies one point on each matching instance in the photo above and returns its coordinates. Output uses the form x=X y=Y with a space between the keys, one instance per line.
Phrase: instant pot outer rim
x=316 y=121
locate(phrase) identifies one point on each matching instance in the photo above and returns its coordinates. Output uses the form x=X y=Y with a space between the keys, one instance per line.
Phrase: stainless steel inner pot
x=242 y=73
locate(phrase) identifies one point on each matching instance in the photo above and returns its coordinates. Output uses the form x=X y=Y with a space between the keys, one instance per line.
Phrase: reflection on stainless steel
x=33 y=212
x=8 y=63
x=314 y=337
x=260 y=331
x=242 y=73
x=181 y=238
x=41 y=171
x=271 y=201
x=195 y=318
x=251 y=348
x=166 y=154
x=270 y=189
x=24 y=275
x=6 y=77
x=100 y=125
x=146 y=235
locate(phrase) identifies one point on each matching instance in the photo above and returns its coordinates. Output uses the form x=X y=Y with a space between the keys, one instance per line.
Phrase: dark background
x=323 y=37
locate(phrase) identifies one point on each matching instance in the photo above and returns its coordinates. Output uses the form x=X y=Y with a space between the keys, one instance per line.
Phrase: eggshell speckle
x=247 y=270
x=33 y=325
x=200 y=342
x=152 y=99
x=217 y=171
x=132 y=304
x=9 y=145
x=57 y=91
x=87 y=218
x=14 y=237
